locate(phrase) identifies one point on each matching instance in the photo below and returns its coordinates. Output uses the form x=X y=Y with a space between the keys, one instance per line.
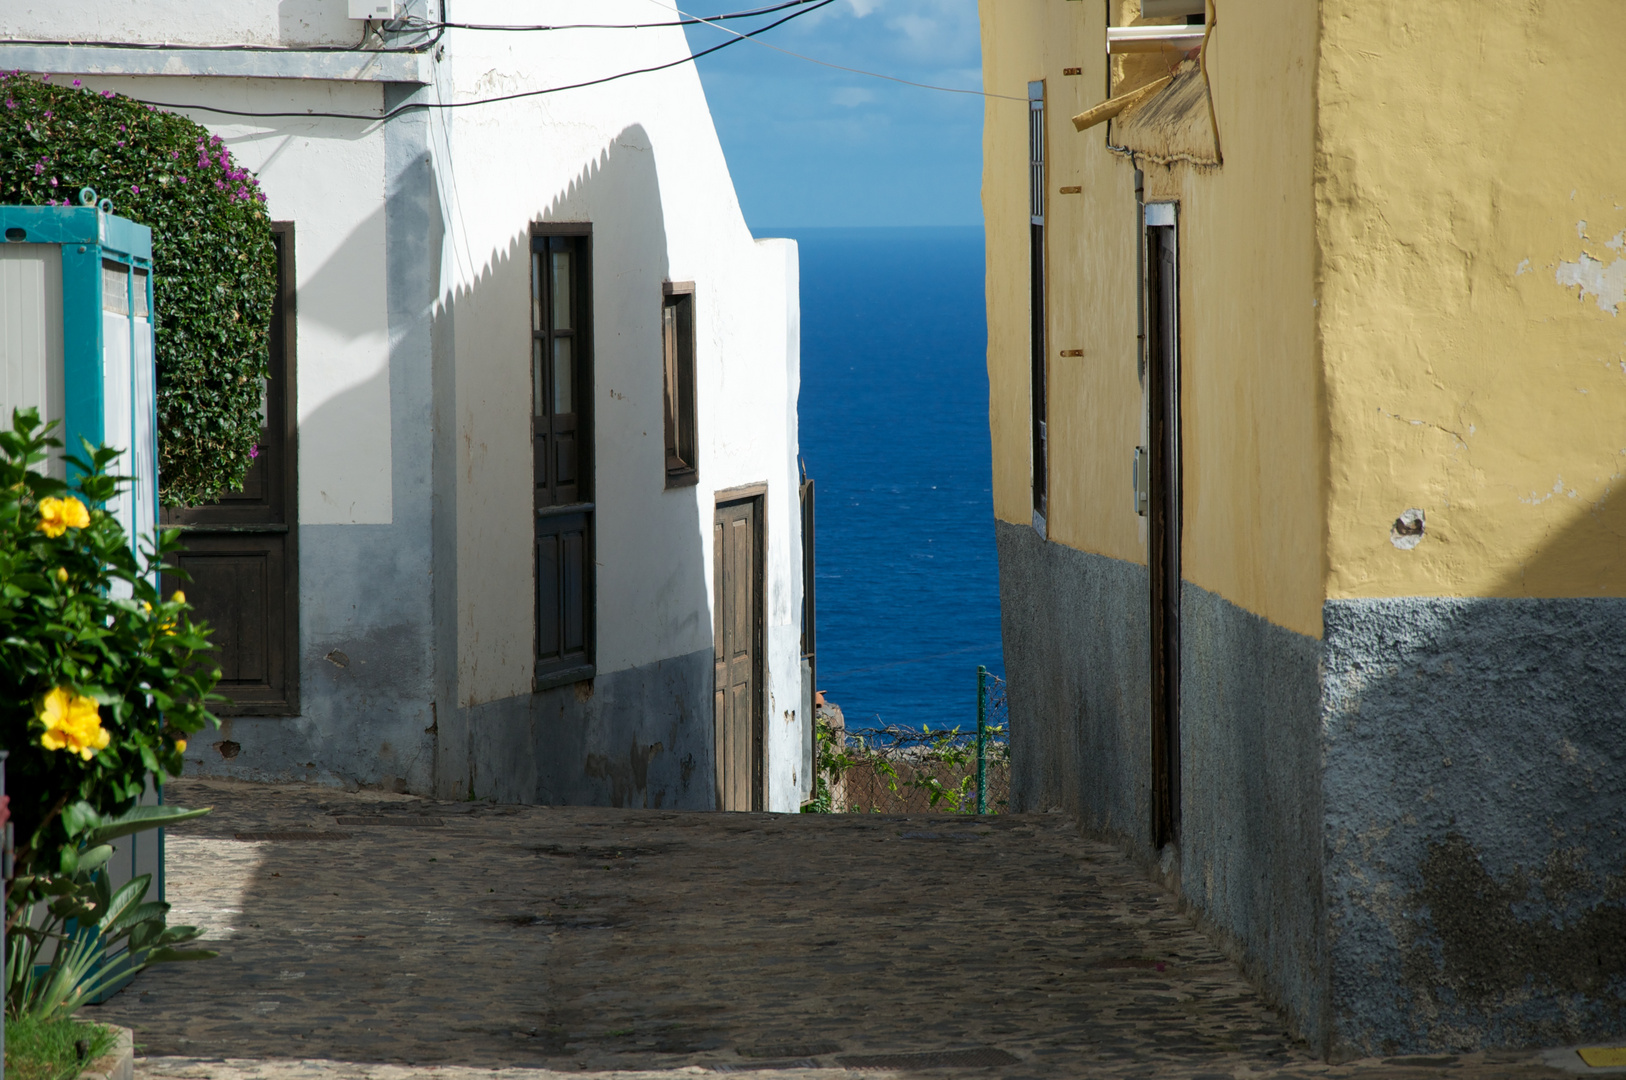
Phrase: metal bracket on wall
x=1138 y=478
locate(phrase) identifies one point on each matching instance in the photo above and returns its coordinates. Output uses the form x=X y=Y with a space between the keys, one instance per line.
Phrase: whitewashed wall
x=640 y=160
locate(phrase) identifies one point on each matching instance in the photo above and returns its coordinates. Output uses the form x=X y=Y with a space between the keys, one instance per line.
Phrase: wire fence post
x=982 y=739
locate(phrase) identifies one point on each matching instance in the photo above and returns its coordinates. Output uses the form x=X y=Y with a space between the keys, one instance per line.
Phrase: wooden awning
x=1174 y=124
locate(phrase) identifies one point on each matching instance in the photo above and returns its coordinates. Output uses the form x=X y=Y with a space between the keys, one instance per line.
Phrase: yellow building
x=1308 y=404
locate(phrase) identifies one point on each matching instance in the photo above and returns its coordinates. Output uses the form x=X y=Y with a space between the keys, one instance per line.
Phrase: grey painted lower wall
x=365 y=654
x=1251 y=810
x=1077 y=654
x=1412 y=833
x=640 y=737
x=1475 y=779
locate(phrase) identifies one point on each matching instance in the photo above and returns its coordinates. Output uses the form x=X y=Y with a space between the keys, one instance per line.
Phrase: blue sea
x=894 y=431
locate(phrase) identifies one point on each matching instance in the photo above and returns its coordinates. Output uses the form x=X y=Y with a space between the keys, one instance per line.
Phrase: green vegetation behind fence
x=902 y=770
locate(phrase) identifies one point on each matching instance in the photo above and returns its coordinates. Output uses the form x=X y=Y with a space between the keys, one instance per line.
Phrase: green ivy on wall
x=214 y=262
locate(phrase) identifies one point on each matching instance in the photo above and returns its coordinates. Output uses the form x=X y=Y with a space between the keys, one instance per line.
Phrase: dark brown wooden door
x=562 y=457
x=1163 y=399
x=1036 y=300
x=242 y=551
x=737 y=651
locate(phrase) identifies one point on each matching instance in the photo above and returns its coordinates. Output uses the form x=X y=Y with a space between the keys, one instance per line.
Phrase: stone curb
x=118 y=1063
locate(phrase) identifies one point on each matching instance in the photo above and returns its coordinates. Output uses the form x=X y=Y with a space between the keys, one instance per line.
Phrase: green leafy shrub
x=98 y=691
x=97 y=936
x=214 y=262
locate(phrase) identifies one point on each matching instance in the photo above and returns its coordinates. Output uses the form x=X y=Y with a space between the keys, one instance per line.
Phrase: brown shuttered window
x=562 y=454
x=677 y=346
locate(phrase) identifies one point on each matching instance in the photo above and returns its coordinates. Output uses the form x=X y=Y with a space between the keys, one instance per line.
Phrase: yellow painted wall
x=1252 y=398
x=1471 y=160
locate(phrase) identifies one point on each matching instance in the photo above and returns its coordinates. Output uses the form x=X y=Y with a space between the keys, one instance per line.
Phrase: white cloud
x=852 y=95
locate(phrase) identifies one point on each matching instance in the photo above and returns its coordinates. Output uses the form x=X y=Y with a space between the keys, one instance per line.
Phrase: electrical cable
x=839 y=67
x=690 y=20
x=412 y=106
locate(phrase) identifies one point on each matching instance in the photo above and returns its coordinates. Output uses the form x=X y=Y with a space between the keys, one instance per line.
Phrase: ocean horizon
x=894 y=431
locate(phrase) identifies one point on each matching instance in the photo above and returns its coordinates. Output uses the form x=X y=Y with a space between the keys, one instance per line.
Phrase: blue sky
x=809 y=146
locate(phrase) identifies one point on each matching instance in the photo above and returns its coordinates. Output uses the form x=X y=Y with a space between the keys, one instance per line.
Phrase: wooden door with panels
x=562 y=452
x=737 y=635
x=1164 y=511
x=242 y=551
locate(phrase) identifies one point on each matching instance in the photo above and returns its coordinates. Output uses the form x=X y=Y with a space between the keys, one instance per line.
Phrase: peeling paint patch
x=1407 y=531
x=1524 y=268
x=1607 y=283
x=1618 y=243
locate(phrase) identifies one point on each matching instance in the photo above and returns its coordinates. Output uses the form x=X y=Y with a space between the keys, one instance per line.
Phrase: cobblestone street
x=386 y=937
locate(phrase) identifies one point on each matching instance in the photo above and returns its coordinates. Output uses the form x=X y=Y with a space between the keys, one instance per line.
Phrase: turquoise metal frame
x=88 y=237
x=91 y=238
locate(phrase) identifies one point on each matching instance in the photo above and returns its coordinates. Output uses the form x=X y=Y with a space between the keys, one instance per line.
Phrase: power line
x=808 y=7
x=690 y=20
x=840 y=67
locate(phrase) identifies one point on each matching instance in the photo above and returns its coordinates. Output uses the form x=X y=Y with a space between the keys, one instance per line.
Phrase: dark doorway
x=1039 y=383
x=1163 y=555
x=737 y=638
x=242 y=551
x=562 y=452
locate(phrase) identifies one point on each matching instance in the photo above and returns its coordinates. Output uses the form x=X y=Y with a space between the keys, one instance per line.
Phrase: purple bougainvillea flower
x=254 y=451
x=38 y=168
x=46 y=77
x=121 y=142
x=76 y=82
x=107 y=93
x=47 y=114
x=135 y=189
x=10 y=104
x=183 y=179
x=53 y=181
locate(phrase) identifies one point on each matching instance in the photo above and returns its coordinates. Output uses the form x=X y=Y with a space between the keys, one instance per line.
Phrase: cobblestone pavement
x=387 y=937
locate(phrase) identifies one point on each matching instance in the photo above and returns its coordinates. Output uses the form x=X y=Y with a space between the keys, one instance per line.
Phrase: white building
x=529 y=367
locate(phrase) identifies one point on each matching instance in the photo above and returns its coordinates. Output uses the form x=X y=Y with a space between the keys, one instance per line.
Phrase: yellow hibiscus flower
x=57 y=516
x=73 y=722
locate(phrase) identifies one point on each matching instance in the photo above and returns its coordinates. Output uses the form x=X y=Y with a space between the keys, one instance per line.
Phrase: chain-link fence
x=903 y=770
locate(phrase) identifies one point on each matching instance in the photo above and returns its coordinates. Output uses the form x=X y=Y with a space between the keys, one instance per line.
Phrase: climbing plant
x=214 y=262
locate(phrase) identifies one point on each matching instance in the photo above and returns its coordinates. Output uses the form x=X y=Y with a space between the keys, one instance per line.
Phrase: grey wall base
x=1475 y=779
x=641 y=737
x=1412 y=833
